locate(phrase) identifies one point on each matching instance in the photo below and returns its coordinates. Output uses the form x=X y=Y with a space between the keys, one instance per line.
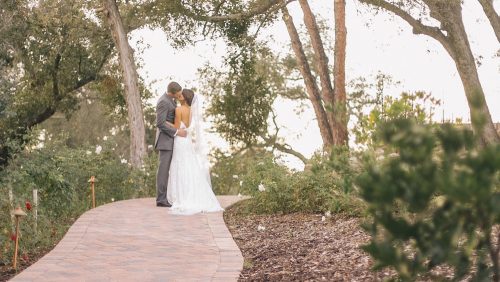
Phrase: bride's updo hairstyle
x=188 y=95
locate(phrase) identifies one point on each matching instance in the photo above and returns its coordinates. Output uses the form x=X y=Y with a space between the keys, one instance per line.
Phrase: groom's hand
x=182 y=133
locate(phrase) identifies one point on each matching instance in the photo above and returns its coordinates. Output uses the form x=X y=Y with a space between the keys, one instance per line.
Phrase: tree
x=242 y=97
x=51 y=51
x=311 y=86
x=329 y=103
x=339 y=95
x=130 y=78
x=333 y=96
x=330 y=106
x=452 y=36
x=492 y=16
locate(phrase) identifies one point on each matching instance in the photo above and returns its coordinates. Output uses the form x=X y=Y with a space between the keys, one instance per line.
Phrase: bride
x=189 y=186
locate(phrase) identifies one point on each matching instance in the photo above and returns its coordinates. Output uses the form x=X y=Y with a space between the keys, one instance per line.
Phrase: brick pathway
x=136 y=241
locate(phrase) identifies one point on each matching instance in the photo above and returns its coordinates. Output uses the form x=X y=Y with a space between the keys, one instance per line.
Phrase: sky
x=375 y=43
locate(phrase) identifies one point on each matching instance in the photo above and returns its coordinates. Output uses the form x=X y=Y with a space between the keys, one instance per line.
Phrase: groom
x=165 y=133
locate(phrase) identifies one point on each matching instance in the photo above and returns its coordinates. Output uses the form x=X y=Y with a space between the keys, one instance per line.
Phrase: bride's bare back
x=182 y=113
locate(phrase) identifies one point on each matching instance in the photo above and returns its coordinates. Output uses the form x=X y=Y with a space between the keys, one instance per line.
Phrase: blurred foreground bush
x=435 y=201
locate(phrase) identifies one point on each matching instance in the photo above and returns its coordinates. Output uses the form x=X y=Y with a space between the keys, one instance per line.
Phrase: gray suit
x=165 y=111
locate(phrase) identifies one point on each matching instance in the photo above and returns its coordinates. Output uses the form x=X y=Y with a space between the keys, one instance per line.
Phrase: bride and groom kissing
x=183 y=177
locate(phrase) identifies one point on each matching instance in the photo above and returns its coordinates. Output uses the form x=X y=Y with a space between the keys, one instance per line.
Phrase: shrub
x=434 y=201
x=276 y=189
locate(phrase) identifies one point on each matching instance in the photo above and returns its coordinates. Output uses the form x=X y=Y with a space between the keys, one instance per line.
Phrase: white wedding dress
x=189 y=186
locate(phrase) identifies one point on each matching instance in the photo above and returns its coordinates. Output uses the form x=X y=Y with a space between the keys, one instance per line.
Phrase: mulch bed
x=7 y=272
x=25 y=260
x=301 y=247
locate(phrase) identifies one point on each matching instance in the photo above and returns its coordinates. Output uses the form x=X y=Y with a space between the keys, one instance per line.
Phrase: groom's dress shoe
x=163 y=205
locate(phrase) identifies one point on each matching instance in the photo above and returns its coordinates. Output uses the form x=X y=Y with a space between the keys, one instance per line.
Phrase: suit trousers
x=162 y=176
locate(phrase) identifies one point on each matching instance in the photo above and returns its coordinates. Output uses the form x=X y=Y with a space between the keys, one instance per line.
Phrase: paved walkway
x=134 y=240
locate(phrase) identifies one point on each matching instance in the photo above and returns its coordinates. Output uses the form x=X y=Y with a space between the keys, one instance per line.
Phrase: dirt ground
x=301 y=247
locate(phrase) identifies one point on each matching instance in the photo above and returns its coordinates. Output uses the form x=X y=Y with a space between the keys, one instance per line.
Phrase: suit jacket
x=165 y=111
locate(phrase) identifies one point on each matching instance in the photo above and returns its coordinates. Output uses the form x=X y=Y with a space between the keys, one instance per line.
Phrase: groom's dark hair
x=173 y=87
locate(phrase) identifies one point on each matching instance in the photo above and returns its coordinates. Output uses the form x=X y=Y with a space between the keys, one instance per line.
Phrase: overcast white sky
x=375 y=43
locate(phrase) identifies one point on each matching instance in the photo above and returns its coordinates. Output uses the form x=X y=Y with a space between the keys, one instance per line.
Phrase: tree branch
x=492 y=15
x=50 y=111
x=285 y=148
x=309 y=80
x=320 y=58
x=418 y=26
x=267 y=6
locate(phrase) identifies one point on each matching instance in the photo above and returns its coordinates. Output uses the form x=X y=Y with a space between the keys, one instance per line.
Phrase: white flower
x=241 y=183
x=262 y=188
x=98 y=149
x=150 y=147
x=323 y=218
x=105 y=138
x=261 y=228
x=235 y=176
x=88 y=152
x=123 y=161
x=215 y=175
x=112 y=199
x=239 y=195
x=328 y=214
x=113 y=131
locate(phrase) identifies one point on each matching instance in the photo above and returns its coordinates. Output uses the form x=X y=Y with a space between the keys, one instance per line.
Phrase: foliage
x=276 y=189
x=371 y=110
x=95 y=122
x=61 y=175
x=228 y=169
x=247 y=91
x=54 y=51
x=434 y=201
x=185 y=22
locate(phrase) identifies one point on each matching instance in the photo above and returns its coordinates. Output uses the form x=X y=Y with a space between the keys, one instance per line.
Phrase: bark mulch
x=301 y=247
x=23 y=262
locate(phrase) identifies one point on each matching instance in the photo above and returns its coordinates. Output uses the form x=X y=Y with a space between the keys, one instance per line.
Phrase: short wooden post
x=35 y=208
x=92 y=189
x=11 y=202
x=18 y=213
x=11 y=196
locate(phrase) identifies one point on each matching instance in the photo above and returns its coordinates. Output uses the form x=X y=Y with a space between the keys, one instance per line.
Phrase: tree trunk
x=340 y=135
x=130 y=78
x=311 y=87
x=321 y=62
x=492 y=15
x=466 y=66
x=456 y=43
